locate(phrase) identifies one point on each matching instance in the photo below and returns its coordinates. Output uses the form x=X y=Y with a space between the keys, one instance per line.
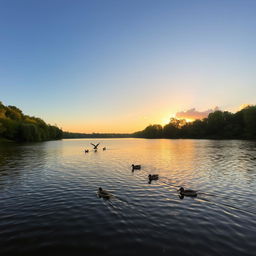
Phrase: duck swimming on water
x=104 y=193
x=187 y=192
x=136 y=167
x=153 y=177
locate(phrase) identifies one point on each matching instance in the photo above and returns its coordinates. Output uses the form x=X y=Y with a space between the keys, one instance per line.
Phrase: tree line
x=16 y=126
x=72 y=135
x=218 y=125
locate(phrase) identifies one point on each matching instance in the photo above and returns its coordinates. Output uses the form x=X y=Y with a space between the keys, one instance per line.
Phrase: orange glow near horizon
x=188 y=120
x=111 y=126
x=167 y=120
x=114 y=126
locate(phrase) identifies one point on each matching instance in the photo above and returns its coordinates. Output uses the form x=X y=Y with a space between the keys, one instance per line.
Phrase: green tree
x=14 y=125
x=249 y=117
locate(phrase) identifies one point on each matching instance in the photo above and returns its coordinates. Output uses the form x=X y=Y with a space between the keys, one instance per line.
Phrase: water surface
x=49 y=202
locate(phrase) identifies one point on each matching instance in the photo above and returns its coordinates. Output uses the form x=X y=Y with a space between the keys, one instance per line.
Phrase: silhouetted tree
x=249 y=114
x=218 y=125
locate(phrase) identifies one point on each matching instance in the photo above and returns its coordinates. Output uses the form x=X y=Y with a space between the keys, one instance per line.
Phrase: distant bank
x=16 y=126
x=71 y=135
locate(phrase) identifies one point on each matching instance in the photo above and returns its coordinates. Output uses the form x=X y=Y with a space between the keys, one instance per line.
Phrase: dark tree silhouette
x=218 y=125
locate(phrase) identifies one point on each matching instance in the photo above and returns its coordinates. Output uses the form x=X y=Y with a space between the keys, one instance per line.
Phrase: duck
x=104 y=148
x=86 y=151
x=104 y=193
x=187 y=192
x=153 y=177
x=136 y=167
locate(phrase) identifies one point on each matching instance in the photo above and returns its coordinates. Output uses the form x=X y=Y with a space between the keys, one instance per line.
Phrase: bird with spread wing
x=95 y=146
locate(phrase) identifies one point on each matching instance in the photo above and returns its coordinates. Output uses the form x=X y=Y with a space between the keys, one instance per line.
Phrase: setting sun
x=167 y=119
x=188 y=120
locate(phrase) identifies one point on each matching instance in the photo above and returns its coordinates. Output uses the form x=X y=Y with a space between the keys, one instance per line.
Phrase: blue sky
x=116 y=66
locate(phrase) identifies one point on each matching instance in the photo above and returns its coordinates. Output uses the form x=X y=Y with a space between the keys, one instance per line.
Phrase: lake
x=49 y=202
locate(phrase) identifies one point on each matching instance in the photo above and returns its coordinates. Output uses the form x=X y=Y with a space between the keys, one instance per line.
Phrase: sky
x=120 y=65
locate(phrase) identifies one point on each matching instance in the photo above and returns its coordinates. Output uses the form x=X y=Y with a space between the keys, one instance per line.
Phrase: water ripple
x=49 y=203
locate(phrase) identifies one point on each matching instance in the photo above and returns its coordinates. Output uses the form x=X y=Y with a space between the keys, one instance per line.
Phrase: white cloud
x=244 y=106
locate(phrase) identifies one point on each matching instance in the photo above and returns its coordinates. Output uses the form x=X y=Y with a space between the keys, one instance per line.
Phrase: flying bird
x=95 y=146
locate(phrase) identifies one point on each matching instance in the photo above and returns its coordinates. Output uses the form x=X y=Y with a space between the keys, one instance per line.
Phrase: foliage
x=218 y=125
x=14 y=125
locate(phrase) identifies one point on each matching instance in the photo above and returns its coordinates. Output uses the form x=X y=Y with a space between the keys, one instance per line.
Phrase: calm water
x=48 y=200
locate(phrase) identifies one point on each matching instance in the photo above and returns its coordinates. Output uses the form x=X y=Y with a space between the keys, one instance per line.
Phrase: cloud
x=194 y=114
x=244 y=106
